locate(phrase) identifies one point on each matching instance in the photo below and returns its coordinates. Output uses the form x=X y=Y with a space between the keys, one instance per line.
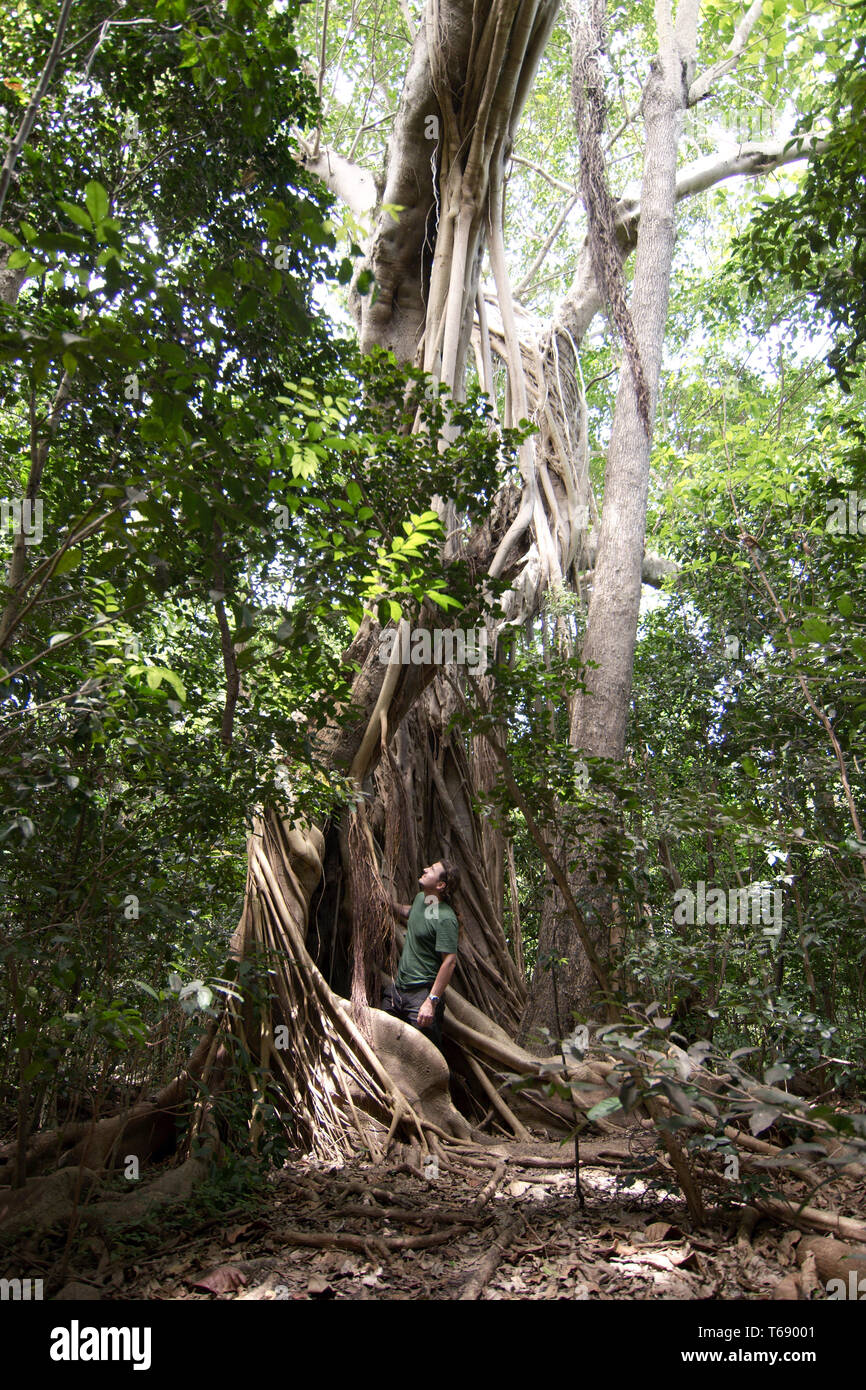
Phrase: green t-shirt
x=431 y=933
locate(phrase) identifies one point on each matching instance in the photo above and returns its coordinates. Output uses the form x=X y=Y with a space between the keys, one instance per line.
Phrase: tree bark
x=600 y=710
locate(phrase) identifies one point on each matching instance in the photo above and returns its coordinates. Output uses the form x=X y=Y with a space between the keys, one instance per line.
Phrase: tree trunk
x=600 y=711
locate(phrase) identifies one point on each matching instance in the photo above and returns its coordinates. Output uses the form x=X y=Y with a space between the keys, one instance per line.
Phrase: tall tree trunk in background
x=600 y=711
x=10 y=281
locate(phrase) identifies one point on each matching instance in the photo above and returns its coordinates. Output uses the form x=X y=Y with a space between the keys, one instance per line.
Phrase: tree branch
x=537 y=169
x=548 y=243
x=748 y=161
x=355 y=186
x=583 y=301
x=30 y=114
x=703 y=85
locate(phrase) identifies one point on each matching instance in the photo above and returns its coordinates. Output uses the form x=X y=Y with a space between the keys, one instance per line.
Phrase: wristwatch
x=434 y=997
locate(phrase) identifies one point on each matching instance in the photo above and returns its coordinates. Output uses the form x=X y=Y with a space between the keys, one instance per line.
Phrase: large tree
x=438 y=208
x=427 y=224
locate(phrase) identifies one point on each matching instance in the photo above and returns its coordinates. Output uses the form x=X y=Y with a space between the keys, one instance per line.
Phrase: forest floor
x=516 y=1231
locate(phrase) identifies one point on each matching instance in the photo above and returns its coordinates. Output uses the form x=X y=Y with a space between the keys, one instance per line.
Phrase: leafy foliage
x=816 y=238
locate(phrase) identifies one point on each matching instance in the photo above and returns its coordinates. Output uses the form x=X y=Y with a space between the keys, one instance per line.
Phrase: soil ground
x=358 y=1231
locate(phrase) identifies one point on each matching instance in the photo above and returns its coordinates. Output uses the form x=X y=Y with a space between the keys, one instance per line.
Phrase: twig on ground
x=487 y=1266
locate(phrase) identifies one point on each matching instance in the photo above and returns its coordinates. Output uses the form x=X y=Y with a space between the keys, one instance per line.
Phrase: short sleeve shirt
x=431 y=933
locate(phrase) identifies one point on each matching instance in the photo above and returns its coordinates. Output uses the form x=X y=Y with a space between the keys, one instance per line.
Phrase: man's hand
x=401 y=911
x=426 y=1013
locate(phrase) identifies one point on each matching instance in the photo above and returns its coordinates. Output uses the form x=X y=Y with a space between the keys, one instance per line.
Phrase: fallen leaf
x=237 y=1231
x=222 y=1279
x=318 y=1287
x=266 y=1291
x=656 y=1230
x=513 y=1284
x=657 y=1260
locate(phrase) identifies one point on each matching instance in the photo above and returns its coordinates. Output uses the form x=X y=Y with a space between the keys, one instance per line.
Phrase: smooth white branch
x=583 y=302
x=703 y=85
x=352 y=184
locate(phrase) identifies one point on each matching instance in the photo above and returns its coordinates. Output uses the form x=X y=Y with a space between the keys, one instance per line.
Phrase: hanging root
x=372 y=920
x=340 y=1089
x=590 y=109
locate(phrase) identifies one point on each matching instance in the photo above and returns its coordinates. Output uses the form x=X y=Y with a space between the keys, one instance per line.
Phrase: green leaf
x=177 y=685
x=604 y=1107
x=761 y=1119
x=443 y=600
x=816 y=630
x=781 y=1072
x=155 y=675
x=80 y=216
x=147 y=989
x=69 y=560
x=677 y=1097
x=96 y=199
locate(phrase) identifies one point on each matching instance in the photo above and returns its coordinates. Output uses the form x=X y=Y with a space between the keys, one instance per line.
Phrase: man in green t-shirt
x=429 y=953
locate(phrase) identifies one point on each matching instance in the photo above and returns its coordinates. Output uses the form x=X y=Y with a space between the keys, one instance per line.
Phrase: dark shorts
x=405 y=1003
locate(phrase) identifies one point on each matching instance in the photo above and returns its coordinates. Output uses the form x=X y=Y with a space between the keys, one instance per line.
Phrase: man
x=429 y=953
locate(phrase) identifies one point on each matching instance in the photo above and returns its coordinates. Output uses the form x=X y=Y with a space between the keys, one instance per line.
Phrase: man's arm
x=440 y=984
x=401 y=911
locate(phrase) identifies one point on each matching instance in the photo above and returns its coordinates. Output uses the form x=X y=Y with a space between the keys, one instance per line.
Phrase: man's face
x=433 y=878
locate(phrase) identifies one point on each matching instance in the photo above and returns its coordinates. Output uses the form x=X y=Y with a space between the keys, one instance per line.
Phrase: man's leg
x=438 y=1019
x=389 y=1000
x=399 y=1003
x=412 y=1001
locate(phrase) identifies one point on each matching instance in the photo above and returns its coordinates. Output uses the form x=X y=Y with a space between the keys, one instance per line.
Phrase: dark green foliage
x=209 y=452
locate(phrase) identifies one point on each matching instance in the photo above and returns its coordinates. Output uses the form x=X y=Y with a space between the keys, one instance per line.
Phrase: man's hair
x=451 y=878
